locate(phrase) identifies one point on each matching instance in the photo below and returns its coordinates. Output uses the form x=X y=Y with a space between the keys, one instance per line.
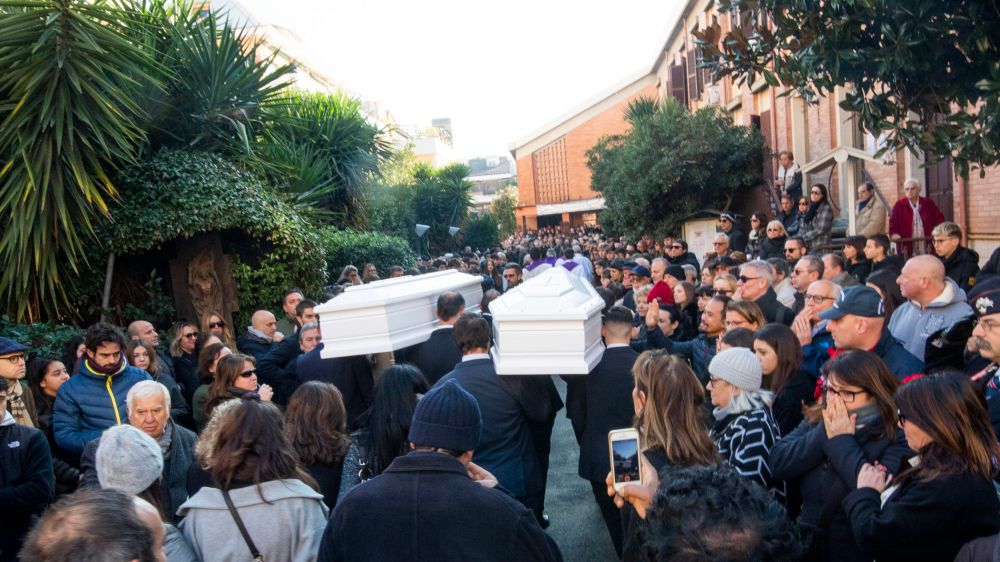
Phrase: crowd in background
x=795 y=400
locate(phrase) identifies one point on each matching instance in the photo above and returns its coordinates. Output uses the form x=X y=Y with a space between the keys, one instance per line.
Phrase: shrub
x=350 y=247
x=481 y=232
x=45 y=339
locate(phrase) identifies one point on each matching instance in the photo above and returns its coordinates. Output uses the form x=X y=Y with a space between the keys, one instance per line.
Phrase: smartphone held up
x=623 y=446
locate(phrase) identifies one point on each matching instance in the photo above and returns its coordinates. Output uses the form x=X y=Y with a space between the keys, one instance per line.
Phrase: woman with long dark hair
x=317 y=428
x=73 y=351
x=780 y=356
x=817 y=224
x=945 y=497
x=385 y=426
x=854 y=254
x=208 y=361
x=45 y=376
x=235 y=376
x=854 y=423
x=757 y=235
x=884 y=283
x=262 y=485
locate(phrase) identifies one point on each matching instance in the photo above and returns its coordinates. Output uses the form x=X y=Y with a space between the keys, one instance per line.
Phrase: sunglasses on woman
x=248 y=374
x=219 y=324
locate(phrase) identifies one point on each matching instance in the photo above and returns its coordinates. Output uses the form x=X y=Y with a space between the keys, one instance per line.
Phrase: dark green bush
x=350 y=247
x=481 y=232
x=44 y=339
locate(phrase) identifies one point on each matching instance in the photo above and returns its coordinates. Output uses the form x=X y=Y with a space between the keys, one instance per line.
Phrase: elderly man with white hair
x=755 y=285
x=934 y=302
x=913 y=216
x=148 y=406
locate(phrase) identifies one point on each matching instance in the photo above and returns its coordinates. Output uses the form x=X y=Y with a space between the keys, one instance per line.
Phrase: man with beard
x=698 y=351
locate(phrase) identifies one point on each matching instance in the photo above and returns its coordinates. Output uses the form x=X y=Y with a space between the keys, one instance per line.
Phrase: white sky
x=500 y=70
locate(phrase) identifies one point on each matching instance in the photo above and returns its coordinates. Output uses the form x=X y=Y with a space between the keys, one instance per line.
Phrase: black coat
x=351 y=375
x=435 y=357
x=277 y=368
x=505 y=446
x=787 y=407
x=685 y=258
x=251 y=344
x=825 y=471
x=179 y=408
x=992 y=267
x=186 y=375
x=774 y=311
x=26 y=484
x=893 y=262
x=738 y=239
x=173 y=485
x=861 y=270
x=424 y=507
x=608 y=406
x=928 y=520
x=962 y=266
x=328 y=478
x=773 y=248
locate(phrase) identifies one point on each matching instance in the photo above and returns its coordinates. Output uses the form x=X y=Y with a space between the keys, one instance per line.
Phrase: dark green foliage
x=441 y=199
x=350 y=247
x=177 y=194
x=481 y=232
x=319 y=149
x=44 y=339
x=937 y=59
x=671 y=163
x=504 y=210
x=68 y=118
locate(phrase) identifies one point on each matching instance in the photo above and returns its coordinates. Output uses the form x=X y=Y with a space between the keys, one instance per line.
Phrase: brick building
x=553 y=180
x=826 y=141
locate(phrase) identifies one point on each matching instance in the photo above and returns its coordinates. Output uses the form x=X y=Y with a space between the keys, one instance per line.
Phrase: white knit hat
x=738 y=366
x=128 y=459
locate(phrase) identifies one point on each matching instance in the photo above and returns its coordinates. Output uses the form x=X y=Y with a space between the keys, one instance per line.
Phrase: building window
x=551 y=178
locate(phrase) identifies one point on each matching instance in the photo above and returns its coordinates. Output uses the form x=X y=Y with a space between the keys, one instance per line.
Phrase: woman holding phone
x=669 y=407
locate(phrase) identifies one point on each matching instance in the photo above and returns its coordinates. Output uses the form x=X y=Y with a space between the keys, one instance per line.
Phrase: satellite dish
x=452 y=230
x=420 y=229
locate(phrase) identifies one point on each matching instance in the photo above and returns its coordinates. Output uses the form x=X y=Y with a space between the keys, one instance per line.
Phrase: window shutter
x=694 y=90
x=678 y=86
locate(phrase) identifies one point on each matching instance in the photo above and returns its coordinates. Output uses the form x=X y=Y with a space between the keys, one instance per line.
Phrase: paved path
x=576 y=522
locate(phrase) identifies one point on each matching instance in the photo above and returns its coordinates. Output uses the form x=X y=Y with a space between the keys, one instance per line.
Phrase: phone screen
x=625 y=458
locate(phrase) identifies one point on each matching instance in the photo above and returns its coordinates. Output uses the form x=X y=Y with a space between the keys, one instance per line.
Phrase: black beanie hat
x=447 y=417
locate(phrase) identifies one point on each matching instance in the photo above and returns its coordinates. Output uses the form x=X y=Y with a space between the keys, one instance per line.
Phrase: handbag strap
x=243 y=530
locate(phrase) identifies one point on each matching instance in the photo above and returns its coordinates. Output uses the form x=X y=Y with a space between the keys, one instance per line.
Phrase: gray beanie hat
x=738 y=366
x=128 y=459
x=447 y=417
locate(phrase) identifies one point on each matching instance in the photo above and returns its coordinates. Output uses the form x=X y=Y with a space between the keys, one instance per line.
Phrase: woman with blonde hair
x=669 y=405
x=214 y=323
x=773 y=246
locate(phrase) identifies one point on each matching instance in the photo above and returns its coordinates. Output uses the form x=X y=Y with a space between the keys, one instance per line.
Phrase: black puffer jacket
x=962 y=266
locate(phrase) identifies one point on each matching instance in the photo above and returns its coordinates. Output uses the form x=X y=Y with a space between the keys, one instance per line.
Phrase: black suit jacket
x=436 y=357
x=351 y=375
x=505 y=448
x=608 y=406
x=277 y=368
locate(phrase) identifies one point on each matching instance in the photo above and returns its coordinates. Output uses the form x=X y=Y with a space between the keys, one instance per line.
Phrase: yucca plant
x=320 y=149
x=68 y=120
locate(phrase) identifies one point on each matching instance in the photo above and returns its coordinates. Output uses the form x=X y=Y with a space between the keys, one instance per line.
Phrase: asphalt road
x=576 y=523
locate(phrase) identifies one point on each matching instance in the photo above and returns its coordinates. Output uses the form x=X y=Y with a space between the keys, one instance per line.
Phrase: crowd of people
x=792 y=401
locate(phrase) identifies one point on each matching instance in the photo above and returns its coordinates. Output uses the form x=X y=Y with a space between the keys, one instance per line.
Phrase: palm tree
x=68 y=120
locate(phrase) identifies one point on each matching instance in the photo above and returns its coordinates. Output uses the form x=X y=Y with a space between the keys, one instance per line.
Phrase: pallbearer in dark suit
x=351 y=375
x=505 y=447
x=439 y=354
x=609 y=406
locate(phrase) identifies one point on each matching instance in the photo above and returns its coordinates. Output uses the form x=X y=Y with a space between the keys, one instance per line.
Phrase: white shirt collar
x=614 y=345
x=474 y=356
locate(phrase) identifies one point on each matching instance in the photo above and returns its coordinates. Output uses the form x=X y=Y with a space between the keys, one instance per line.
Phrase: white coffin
x=549 y=325
x=390 y=314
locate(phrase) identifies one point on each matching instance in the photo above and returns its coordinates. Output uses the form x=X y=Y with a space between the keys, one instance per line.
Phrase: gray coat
x=289 y=528
x=912 y=325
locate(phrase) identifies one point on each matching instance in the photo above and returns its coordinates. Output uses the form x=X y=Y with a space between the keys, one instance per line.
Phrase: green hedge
x=44 y=339
x=350 y=247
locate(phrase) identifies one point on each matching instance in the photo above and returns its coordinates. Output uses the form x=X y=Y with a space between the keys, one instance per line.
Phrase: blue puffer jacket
x=90 y=402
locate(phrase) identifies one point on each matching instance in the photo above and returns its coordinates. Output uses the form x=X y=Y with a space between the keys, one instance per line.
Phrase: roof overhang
x=838 y=155
x=578 y=206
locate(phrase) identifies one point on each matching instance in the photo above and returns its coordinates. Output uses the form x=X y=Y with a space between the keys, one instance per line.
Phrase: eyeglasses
x=791 y=250
x=723 y=292
x=774 y=230
x=248 y=374
x=745 y=279
x=192 y=335
x=676 y=247
x=719 y=243
x=816 y=193
x=987 y=324
x=846 y=395
x=19 y=358
x=818 y=299
x=219 y=324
